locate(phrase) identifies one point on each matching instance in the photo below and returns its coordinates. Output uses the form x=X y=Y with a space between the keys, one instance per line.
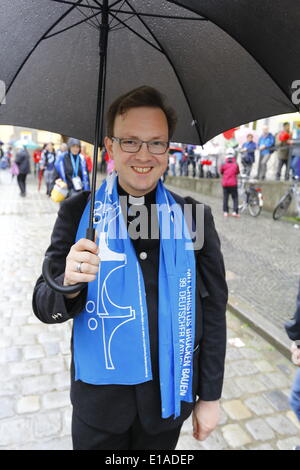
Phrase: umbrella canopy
x=220 y=63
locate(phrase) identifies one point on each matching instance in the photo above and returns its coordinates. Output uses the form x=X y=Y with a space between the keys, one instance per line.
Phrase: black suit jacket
x=113 y=408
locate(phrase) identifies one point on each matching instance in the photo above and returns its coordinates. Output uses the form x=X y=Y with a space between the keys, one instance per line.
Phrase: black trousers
x=281 y=164
x=233 y=191
x=86 y=437
x=21 y=178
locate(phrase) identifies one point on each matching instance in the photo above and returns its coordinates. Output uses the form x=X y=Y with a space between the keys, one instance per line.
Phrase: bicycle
x=250 y=196
x=284 y=203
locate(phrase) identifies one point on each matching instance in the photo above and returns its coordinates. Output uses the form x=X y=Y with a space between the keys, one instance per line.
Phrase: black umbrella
x=220 y=63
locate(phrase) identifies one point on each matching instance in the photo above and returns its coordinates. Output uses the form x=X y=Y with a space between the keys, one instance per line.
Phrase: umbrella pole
x=90 y=232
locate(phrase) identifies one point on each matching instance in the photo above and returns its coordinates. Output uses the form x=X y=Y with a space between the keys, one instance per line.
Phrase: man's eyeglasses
x=156 y=147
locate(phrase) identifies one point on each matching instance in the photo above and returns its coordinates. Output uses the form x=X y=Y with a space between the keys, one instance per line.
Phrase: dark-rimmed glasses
x=156 y=147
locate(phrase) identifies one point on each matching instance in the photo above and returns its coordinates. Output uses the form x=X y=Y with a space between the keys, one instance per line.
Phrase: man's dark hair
x=286 y=124
x=140 y=97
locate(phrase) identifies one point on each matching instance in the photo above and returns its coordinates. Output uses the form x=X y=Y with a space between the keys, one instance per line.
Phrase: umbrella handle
x=47 y=275
x=47 y=272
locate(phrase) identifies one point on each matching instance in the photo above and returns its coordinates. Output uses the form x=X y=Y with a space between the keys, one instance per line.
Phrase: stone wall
x=272 y=191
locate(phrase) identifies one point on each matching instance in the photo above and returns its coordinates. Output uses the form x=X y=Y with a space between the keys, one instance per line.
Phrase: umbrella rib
x=117 y=27
x=68 y=2
x=93 y=12
x=110 y=24
x=86 y=16
x=39 y=41
x=137 y=34
x=175 y=2
x=156 y=15
x=73 y=26
x=195 y=123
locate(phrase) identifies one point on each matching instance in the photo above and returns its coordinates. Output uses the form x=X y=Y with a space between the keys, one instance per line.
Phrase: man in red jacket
x=283 y=141
x=230 y=170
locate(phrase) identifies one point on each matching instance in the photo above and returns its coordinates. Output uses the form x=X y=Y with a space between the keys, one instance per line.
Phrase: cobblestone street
x=262 y=262
x=35 y=410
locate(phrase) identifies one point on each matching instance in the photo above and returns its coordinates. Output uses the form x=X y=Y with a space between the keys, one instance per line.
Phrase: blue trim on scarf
x=111 y=334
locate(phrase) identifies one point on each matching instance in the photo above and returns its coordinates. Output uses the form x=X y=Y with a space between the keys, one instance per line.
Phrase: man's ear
x=108 y=145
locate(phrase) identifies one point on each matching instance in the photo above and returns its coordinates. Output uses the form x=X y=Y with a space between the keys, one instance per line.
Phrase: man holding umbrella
x=143 y=357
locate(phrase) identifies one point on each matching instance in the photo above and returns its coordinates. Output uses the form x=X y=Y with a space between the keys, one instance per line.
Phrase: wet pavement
x=35 y=410
x=262 y=263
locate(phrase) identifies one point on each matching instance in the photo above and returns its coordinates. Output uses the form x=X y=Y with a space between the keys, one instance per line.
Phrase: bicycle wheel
x=282 y=206
x=253 y=204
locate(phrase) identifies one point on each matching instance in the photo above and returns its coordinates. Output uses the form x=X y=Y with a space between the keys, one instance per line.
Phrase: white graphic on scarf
x=107 y=310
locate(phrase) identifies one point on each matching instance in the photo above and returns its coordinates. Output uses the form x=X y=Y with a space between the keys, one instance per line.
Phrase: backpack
x=4 y=163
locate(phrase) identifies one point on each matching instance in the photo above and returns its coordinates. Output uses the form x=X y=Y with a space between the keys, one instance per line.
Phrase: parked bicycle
x=250 y=196
x=286 y=200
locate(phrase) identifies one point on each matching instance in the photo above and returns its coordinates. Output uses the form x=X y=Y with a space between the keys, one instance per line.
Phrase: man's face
x=250 y=138
x=265 y=130
x=75 y=149
x=145 y=124
x=286 y=128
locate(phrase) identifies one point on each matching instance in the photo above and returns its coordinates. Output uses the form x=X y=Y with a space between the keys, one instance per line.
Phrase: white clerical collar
x=137 y=201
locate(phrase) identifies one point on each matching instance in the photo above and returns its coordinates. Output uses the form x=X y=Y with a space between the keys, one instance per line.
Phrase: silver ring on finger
x=78 y=267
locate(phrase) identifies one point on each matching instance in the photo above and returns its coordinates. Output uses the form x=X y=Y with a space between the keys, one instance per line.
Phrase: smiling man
x=149 y=331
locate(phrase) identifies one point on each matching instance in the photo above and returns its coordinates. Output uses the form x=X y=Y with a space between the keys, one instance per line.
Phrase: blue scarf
x=111 y=334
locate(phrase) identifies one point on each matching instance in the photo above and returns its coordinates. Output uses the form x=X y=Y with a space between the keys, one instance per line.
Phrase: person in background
x=103 y=162
x=1 y=149
x=191 y=159
x=184 y=162
x=9 y=154
x=88 y=160
x=283 y=141
x=293 y=330
x=71 y=168
x=230 y=170
x=248 y=154
x=41 y=170
x=265 y=144
x=4 y=160
x=47 y=164
x=22 y=159
x=172 y=162
x=63 y=148
x=180 y=161
x=110 y=165
x=37 y=155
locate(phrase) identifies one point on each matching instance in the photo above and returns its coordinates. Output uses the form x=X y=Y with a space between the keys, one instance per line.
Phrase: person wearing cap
x=230 y=170
x=71 y=168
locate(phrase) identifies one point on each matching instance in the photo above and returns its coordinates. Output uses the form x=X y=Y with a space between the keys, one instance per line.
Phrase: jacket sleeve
x=293 y=326
x=212 y=352
x=270 y=141
x=50 y=306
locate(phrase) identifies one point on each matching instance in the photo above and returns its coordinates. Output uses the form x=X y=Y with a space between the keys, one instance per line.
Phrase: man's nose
x=144 y=152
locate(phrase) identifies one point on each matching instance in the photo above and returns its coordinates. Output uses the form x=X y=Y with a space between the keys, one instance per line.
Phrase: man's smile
x=142 y=169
